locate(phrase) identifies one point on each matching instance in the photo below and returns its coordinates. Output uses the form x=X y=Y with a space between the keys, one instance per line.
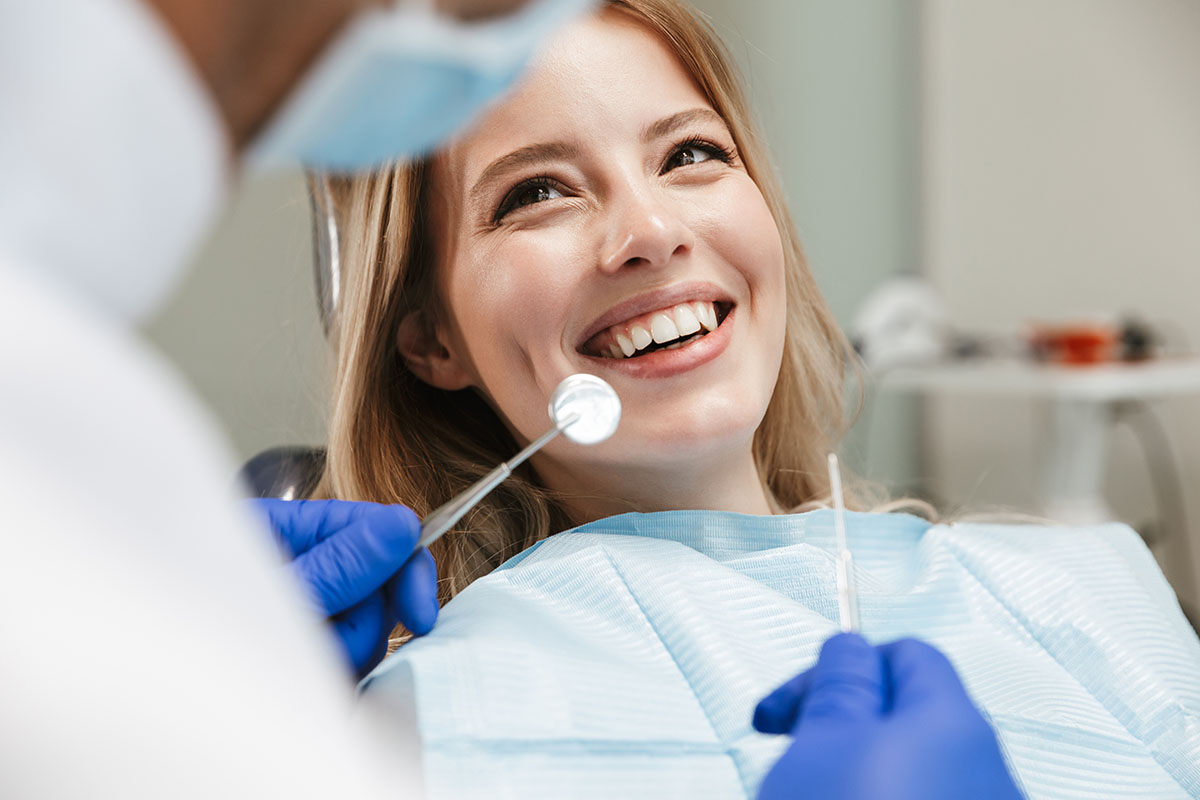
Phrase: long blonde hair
x=395 y=439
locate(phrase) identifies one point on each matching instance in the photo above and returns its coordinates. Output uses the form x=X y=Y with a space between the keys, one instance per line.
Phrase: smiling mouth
x=669 y=328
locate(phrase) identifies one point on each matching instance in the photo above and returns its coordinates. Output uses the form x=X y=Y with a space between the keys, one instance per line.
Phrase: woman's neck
x=716 y=484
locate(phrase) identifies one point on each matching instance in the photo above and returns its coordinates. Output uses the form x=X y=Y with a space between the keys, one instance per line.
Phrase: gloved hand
x=881 y=723
x=357 y=562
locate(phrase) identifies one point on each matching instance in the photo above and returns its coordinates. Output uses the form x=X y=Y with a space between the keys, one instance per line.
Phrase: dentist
x=152 y=644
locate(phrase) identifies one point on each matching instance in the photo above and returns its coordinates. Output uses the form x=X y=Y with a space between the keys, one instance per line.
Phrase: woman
x=617 y=215
x=401 y=224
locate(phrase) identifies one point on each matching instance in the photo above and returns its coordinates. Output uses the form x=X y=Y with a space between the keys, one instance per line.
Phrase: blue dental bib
x=623 y=659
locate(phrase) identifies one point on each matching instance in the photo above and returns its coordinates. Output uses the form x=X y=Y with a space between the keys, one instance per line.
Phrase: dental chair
x=286 y=473
x=292 y=472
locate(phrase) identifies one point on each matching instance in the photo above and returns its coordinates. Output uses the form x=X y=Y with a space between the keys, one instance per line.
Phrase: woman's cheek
x=542 y=268
x=513 y=302
x=743 y=231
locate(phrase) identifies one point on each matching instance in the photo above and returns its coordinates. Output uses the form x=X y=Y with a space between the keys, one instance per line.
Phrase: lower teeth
x=682 y=342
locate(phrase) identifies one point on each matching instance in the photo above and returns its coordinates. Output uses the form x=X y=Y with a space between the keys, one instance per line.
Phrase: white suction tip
x=593 y=404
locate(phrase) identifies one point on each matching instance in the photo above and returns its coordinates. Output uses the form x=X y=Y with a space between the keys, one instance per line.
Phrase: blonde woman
x=618 y=215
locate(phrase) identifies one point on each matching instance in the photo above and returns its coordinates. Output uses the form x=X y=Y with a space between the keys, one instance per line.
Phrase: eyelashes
x=540 y=188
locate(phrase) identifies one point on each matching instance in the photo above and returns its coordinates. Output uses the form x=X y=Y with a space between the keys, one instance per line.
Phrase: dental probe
x=583 y=407
x=847 y=591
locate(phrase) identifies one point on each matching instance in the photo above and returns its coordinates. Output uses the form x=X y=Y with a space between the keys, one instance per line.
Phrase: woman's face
x=600 y=220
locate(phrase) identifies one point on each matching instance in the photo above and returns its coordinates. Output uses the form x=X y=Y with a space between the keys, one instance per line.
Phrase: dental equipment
x=847 y=591
x=584 y=408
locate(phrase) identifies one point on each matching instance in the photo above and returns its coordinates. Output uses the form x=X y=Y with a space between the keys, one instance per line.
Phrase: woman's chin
x=702 y=447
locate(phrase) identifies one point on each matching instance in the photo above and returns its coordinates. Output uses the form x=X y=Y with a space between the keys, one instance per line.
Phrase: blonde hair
x=395 y=439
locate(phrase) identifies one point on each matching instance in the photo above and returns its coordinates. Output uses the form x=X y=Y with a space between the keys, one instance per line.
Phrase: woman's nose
x=643 y=232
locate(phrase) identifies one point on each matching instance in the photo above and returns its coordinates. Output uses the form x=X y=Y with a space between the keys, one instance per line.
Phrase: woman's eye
x=527 y=194
x=535 y=194
x=694 y=153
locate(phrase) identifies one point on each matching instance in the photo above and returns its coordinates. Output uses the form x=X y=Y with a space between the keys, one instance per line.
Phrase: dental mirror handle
x=442 y=518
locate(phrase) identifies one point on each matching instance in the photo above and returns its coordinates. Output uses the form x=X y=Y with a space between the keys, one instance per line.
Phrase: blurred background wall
x=244 y=327
x=1033 y=158
x=1062 y=179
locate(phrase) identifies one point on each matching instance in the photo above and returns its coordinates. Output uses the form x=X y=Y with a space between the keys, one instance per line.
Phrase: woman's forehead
x=602 y=77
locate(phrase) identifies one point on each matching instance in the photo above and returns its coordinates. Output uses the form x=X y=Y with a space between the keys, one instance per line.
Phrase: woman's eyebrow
x=521 y=158
x=668 y=125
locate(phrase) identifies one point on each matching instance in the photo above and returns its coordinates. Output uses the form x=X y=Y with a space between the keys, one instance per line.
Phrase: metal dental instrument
x=584 y=408
x=847 y=591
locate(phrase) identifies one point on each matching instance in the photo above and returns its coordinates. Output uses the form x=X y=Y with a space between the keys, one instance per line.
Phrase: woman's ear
x=426 y=356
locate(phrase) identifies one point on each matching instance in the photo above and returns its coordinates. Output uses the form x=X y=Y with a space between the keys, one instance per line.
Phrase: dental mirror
x=583 y=407
x=593 y=403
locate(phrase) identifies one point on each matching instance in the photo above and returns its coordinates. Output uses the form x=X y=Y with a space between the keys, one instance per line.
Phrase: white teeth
x=671 y=328
x=625 y=345
x=681 y=343
x=707 y=315
x=685 y=320
x=663 y=329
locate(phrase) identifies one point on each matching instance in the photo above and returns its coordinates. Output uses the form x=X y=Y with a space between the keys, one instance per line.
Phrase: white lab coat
x=151 y=644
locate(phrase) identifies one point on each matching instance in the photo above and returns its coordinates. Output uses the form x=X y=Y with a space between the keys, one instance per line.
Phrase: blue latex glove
x=881 y=723
x=357 y=562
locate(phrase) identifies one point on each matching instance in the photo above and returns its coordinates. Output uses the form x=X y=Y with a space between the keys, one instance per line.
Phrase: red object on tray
x=1079 y=344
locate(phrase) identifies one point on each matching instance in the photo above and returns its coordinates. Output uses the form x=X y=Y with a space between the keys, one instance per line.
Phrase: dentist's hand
x=881 y=723
x=358 y=564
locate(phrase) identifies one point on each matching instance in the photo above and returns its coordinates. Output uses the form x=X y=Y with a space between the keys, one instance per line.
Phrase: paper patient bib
x=624 y=659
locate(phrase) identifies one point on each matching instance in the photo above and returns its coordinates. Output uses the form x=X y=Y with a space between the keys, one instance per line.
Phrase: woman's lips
x=669 y=362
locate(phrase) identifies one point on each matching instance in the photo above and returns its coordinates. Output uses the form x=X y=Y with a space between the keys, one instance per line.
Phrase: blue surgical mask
x=398 y=82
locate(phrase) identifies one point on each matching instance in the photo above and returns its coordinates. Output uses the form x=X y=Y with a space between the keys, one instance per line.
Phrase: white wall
x=244 y=327
x=1062 y=153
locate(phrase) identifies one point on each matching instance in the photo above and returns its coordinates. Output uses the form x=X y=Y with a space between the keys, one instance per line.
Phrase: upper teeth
x=666 y=325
